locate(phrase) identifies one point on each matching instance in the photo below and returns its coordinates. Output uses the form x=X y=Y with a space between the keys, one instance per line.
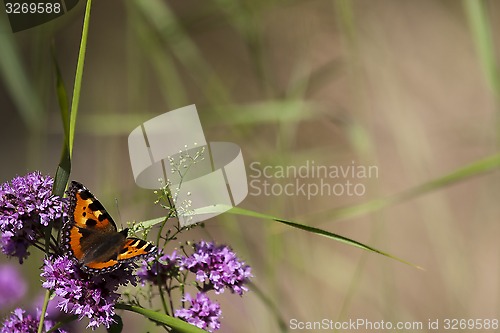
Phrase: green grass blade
x=481 y=33
x=314 y=230
x=317 y=231
x=64 y=168
x=78 y=77
x=17 y=81
x=166 y=24
x=175 y=323
x=480 y=26
x=479 y=167
x=69 y=117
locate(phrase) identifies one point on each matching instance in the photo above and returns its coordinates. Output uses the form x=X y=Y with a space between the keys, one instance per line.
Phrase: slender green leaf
x=481 y=33
x=78 y=77
x=481 y=30
x=175 y=323
x=272 y=111
x=17 y=81
x=64 y=168
x=479 y=167
x=317 y=231
x=165 y=23
x=149 y=223
x=314 y=230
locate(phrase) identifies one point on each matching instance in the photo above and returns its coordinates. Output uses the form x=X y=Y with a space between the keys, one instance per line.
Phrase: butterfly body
x=91 y=237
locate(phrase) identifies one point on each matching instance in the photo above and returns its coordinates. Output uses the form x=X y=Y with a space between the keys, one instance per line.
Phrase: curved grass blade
x=175 y=323
x=488 y=164
x=314 y=230
x=318 y=231
x=78 y=78
x=17 y=81
x=481 y=31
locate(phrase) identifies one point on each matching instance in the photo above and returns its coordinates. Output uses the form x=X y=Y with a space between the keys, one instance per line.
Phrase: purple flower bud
x=21 y=322
x=85 y=295
x=202 y=312
x=26 y=206
x=217 y=267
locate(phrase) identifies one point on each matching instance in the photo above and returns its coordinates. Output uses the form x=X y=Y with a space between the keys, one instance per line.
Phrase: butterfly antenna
x=117 y=206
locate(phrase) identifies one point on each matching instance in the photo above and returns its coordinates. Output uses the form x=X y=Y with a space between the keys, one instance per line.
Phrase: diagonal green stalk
x=175 y=323
x=476 y=168
x=46 y=300
x=318 y=231
x=314 y=230
x=64 y=167
x=482 y=35
x=481 y=32
x=78 y=77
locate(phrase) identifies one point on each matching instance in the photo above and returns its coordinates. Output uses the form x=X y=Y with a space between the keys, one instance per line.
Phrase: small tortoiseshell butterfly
x=91 y=237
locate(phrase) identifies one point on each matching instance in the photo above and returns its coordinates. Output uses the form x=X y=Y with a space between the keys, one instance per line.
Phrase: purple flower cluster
x=21 y=322
x=217 y=267
x=202 y=312
x=26 y=206
x=12 y=285
x=92 y=296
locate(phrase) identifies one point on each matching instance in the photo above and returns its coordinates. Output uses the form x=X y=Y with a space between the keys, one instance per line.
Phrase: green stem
x=172 y=322
x=162 y=296
x=44 y=310
x=78 y=76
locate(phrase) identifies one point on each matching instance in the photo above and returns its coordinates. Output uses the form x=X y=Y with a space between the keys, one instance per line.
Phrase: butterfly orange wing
x=100 y=267
x=89 y=224
x=87 y=219
x=135 y=248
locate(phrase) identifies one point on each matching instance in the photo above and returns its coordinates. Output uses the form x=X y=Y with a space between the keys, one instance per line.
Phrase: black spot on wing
x=91 y=222
x=103 y=217
x=96 y=205
x=85 y=194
